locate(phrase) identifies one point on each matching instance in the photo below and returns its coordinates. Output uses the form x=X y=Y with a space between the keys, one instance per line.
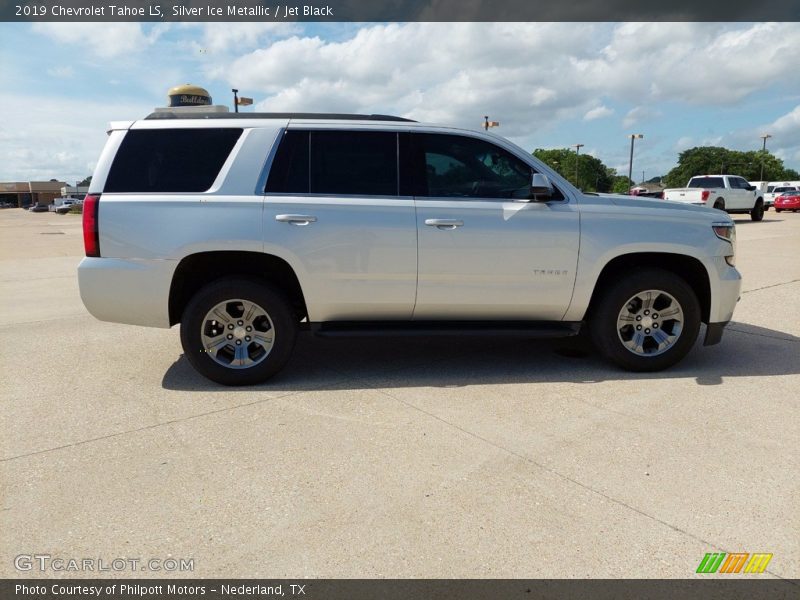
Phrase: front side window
x=170 y=160
x=464 y=167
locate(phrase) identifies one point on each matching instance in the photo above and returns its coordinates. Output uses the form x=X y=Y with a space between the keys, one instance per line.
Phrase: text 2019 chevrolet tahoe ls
x=245 y=228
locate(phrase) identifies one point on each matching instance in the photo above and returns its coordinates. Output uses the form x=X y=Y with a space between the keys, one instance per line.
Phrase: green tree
x=705 y=160
x=85 y=182
x=621 y=184
x=593 y=175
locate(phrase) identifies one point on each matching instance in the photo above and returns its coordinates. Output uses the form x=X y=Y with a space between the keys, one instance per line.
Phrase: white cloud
x=46 y=137
x=639 y=114
x=598 y=112
x=234 y=38
x=528 y=75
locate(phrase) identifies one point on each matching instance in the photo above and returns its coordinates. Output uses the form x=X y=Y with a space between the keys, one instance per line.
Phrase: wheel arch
x=688 y=268
x=197 y=270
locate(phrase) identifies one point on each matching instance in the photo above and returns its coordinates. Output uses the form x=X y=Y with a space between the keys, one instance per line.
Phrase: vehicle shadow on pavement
x=318 y=364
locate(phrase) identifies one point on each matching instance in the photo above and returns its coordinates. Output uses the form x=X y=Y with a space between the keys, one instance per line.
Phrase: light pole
x=633 y=136
x=487 y=123
x=235 y=100
x=577 y=156
x=764 y=139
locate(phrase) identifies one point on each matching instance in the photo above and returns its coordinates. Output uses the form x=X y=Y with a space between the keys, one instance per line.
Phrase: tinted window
x=463 y=167
x=738 y=182
x=354 y=162
x=170 y=160
x=336 y=162
x=707 y=182
x=289 y=173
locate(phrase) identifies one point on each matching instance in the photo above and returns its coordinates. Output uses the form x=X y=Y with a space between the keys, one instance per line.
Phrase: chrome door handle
x=296 y=219
x=444 y=223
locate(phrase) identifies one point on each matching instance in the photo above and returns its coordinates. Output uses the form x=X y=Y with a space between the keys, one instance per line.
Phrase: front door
x=483 y=254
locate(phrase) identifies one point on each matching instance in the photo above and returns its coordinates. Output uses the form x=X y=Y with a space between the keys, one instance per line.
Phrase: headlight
x=727 y=232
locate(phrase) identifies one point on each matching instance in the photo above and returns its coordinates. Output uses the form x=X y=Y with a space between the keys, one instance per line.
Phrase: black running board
x=529 y=329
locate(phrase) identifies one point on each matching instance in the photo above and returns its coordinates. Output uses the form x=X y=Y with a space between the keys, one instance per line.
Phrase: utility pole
x=577 y=157
x=487 y=123
x=633 y=136
x=235 y=100
x=764 y=138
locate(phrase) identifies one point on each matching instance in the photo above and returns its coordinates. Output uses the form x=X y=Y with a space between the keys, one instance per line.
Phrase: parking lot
x=395 y=458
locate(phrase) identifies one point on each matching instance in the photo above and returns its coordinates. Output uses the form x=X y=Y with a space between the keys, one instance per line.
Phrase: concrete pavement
x=395 y=458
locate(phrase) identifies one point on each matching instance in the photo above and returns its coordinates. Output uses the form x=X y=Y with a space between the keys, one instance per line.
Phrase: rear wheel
x=647 y=321
x=757 y=214
x=719 y=204
x=238 y=331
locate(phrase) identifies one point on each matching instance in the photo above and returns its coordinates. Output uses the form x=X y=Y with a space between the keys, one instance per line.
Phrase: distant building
x=26 y=193
x=72 y=191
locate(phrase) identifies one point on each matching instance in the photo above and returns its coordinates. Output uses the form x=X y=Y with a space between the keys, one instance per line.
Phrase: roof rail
x=286 y=115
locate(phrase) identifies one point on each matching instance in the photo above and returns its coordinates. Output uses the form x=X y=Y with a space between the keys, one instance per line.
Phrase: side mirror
x=541 y=188
x=751 y=188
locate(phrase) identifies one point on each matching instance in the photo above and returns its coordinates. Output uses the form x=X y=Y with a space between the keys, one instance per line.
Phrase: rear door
x=333 y=207
x=483 y=254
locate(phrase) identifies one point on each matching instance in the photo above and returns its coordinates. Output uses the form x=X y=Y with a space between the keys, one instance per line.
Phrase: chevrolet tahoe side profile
x=247 y=228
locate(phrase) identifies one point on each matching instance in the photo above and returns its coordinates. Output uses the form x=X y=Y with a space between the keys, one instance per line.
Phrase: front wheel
x=757 y=214
x=647 y=321
x=238 y=331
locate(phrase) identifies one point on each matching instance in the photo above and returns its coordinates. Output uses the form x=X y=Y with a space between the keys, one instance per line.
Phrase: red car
x=788 y=201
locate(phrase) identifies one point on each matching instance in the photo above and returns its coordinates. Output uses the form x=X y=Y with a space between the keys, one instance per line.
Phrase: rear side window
x=170 y=160
x=289 y=172
x=336 y=162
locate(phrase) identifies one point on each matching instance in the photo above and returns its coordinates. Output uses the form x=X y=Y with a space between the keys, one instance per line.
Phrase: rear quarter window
x=170 y=160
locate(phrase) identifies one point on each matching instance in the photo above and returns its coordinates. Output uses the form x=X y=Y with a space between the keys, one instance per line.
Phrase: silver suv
x=246 y=228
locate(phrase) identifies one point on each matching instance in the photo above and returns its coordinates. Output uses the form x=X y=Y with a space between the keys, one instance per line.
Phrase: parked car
x=777 y=190
x=65 y=207
x=38 y=208
x=730 y=193
x=788 y=201
x=348 y=225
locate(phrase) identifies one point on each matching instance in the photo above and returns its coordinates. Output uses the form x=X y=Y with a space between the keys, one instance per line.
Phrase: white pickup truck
x=730 y=193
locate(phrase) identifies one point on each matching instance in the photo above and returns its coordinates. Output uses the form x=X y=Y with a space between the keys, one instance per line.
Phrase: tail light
x=91 y=233
x=704 y=196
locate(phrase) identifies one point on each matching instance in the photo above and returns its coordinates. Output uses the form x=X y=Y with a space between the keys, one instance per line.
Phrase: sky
x=550 y=85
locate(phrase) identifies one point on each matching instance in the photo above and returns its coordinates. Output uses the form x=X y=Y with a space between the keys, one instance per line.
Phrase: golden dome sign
x=188 y=95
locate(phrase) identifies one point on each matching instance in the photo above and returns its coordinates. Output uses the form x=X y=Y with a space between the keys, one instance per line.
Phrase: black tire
x=283 y=327
x=777 y=210
x=603 y=324
x=719 y=204
x=757 y=214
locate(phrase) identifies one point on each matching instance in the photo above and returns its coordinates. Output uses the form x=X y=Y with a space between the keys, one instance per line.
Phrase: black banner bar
x=714 y=588
x=398 y=10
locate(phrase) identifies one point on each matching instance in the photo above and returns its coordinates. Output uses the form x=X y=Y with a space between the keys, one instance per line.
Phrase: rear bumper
x=135 y=292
